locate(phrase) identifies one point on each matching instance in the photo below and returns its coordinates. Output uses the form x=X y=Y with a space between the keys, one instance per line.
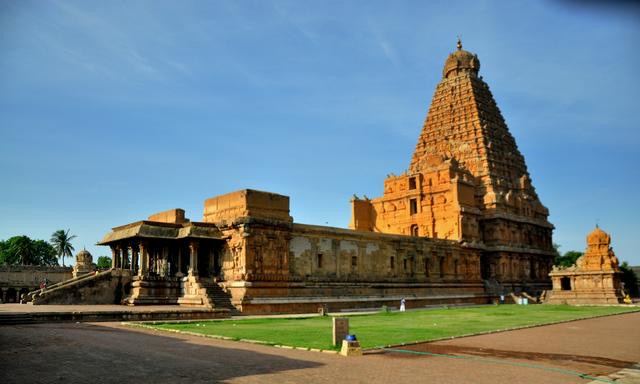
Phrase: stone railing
x=34 y=295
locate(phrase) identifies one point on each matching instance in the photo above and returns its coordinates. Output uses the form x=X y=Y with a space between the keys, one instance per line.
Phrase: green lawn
x=383 y=329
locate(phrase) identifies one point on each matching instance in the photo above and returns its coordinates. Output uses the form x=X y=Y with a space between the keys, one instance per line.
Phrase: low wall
x=18 y=279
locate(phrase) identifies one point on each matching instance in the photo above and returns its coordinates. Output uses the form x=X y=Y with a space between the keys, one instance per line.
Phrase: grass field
x=381 y=329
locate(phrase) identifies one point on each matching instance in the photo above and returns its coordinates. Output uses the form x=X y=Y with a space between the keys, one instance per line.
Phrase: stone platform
x=26 y=313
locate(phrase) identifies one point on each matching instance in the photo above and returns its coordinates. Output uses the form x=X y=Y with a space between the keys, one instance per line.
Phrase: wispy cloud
x=98 y=41
x=384 y=44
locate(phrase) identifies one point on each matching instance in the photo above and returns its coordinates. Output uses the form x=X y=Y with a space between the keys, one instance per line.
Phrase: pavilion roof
x=159 y=230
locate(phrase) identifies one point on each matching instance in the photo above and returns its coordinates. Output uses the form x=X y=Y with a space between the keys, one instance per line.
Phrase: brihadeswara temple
x=462 y=225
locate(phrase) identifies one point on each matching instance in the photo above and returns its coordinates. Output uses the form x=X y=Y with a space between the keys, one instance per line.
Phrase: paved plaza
x=112 y=352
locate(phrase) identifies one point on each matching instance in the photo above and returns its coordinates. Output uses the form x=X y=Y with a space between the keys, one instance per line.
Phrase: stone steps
x=16 y=318
x=219 y=298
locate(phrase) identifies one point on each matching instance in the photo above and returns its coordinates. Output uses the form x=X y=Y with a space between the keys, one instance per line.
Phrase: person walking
x=402 y=307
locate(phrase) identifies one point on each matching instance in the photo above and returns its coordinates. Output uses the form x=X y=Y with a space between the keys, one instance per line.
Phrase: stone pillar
x=340 y=329
x=193 y=258
x=143 y=270
x=118 y=256
x=134 y=259
x=555 y=281
x=114 y=256
x=164 y=260
x=179 y=266
x=124 y=255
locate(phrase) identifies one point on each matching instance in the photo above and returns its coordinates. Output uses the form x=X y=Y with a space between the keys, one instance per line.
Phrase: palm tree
x=61 y=242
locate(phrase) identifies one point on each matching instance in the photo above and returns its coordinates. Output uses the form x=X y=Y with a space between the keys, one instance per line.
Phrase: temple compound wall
x=16 y=280
x=252 y=258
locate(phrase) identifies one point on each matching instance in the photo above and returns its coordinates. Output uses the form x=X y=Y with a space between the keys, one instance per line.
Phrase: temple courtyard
x=603 y=348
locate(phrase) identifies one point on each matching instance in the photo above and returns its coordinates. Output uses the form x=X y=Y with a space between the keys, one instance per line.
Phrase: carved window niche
x=414 y=230
x=354 y=261
x=392 y=263
x=565 y=283
x=412 y=183
x=413 y=206
x=319 y=261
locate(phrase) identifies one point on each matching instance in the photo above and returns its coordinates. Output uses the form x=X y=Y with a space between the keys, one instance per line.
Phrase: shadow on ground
x=74 y=353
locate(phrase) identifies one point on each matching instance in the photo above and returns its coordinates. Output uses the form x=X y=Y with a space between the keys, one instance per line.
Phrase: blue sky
x=111 y=111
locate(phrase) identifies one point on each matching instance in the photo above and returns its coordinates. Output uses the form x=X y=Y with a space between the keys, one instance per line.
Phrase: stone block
x=340 y=329
x=351 y=348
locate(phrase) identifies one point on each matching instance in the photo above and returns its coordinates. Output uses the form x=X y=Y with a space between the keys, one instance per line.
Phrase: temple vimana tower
x=467 y=181
x=462 y=225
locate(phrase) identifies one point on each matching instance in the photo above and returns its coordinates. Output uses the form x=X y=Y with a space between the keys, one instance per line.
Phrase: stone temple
x=461 y=225
x=594 y=279
x=467 y=182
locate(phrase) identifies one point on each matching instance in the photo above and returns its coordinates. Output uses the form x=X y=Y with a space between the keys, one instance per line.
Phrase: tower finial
x=459 y=45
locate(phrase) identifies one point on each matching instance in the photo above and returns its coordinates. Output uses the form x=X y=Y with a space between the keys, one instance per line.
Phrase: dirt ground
x=111 y=352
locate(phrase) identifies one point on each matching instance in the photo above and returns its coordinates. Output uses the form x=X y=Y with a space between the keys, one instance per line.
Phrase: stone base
x=282 y=297
x=585 y=297
x=350 y=348
x=153 y=292
x=191 y=292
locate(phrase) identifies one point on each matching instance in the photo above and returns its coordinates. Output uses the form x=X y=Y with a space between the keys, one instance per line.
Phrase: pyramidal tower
x=468 y=182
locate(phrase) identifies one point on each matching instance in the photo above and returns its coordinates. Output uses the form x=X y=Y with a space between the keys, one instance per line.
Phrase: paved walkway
x=110 y=353
x=53 y=308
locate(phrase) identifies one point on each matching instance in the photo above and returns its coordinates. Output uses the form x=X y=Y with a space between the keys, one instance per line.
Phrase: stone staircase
x=493 y=287
x=16 y=318
x=34 y=296
x=106 y=287
x=220 y=298
x=198 y=291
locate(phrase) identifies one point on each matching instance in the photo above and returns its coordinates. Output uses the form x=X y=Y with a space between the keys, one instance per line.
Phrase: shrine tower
x=467 y=181
x=595 y=278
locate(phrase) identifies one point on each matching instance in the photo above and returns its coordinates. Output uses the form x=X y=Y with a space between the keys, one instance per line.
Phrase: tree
x=44 y=253
x=568 y=259
x=61 y=242
x=629 y=279
x=104 y=262
x=21 y=250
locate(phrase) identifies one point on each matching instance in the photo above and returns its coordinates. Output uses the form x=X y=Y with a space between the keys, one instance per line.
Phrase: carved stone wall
x=272 y=265
x=331 y=254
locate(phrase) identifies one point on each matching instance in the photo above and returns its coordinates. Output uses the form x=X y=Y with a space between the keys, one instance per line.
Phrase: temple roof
x=159 y=230
x=598 y=236
x=461 y=61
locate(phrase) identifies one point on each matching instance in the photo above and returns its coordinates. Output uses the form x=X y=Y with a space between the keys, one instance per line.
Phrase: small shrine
x=594 y=279
x=84 y=263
